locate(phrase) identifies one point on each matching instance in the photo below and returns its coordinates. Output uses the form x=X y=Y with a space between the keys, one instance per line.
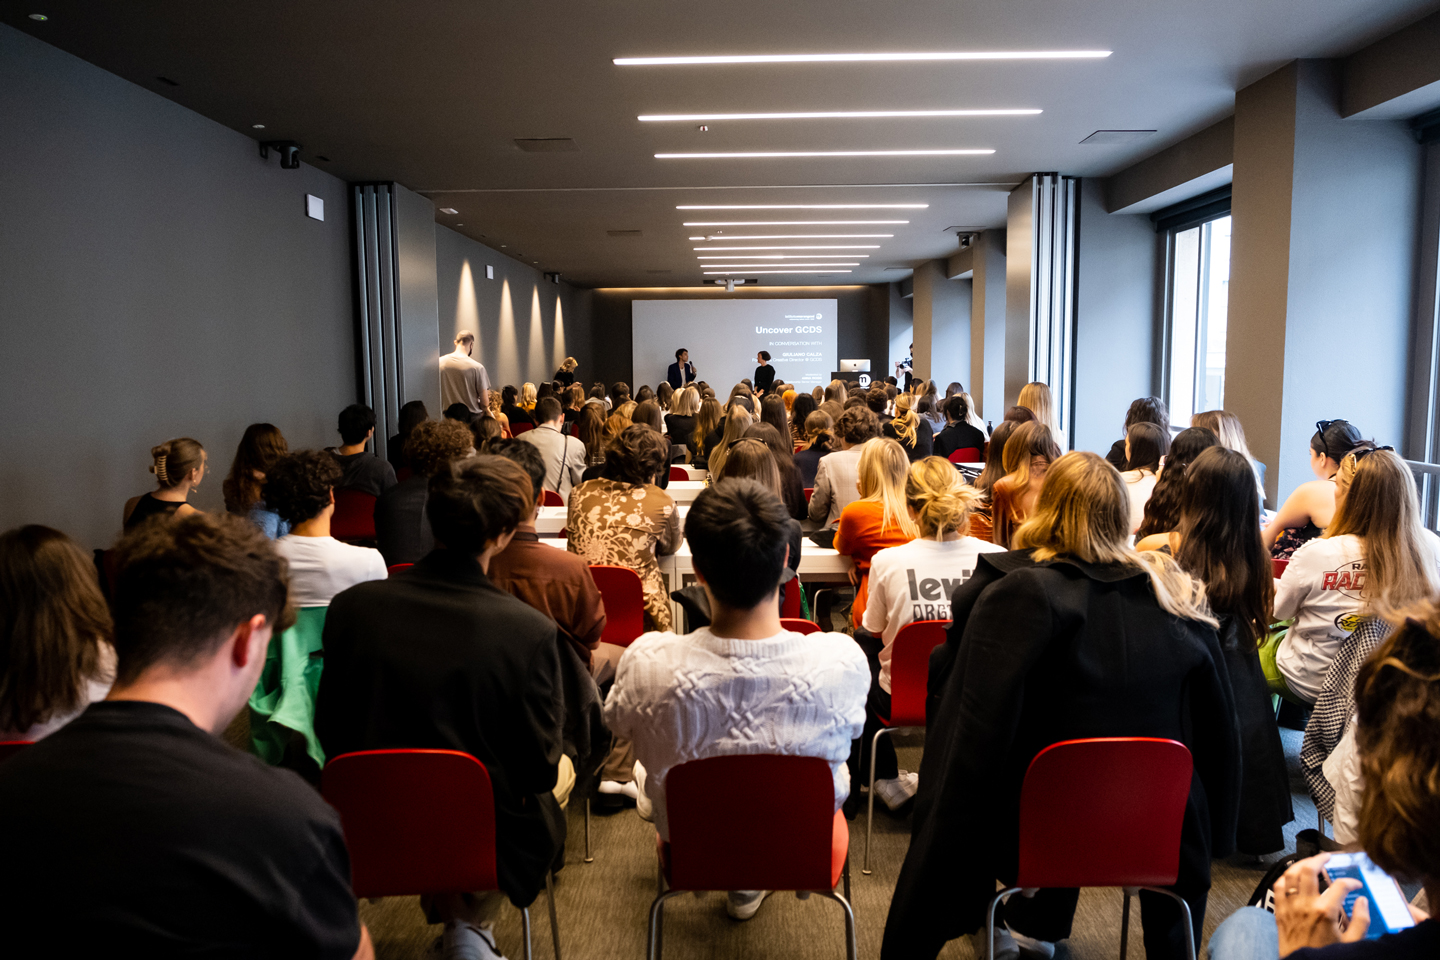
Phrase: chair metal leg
x=1125 y=924
x=845 y=875
x=554 y=921
x=852 y=944
x=1190 y=949
x=657 y=920
x=990 y=921
x=525 y=924
x=870 y=813
x=588 y=857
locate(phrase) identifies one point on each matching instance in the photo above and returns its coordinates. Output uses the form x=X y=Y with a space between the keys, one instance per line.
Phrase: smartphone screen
x=1388 y=910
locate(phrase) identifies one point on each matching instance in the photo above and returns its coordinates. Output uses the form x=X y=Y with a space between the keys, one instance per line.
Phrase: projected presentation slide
x=723 y=337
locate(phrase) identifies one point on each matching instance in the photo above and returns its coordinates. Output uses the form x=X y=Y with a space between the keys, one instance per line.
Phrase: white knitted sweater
x=682 y=698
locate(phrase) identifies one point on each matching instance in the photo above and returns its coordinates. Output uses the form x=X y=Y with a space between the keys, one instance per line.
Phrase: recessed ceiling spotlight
x=450 y=210
x=784 y=154
x=833 y=115
x=810 y=206
x=38 y=16
x=788 y=223
x=459 y=224
x=866 y=57
x=257 y=126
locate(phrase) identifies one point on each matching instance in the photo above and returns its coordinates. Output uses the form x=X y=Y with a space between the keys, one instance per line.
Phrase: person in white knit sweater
x=743 y=685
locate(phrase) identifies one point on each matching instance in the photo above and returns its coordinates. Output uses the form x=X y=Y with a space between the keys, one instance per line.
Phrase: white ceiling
x=433 y=94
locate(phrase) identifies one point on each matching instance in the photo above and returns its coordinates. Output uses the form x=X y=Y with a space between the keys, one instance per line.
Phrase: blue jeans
x=1247 y=934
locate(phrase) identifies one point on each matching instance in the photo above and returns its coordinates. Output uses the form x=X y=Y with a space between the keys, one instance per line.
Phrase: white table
x=685 y=491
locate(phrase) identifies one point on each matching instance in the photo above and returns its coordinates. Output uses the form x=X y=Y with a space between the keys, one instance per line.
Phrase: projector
x=730 y=284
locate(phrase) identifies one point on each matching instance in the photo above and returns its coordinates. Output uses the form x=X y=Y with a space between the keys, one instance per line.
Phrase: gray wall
x=157 y=279
x=524 y=324
x=1120 y=274
x=941 y=317
x=415 y=230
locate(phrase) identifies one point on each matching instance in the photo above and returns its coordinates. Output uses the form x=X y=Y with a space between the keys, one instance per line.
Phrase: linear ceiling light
x=829 y=246
x=747 y=262
x=830 y=115
x=782 y=256
x=787 y=154
x=790 y=223
x=866 y=57
x=797 y=236
x=809 y=206
x=735 y=273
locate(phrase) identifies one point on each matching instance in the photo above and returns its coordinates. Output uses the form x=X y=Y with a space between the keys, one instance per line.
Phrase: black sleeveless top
x=148 y=507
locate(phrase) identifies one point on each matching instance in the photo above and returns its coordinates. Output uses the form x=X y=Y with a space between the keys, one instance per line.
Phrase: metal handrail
x=1427 y=481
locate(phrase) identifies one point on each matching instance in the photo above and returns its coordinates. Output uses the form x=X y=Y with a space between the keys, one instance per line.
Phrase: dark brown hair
x=52 y=621
x=647 y=412
x=184 y=586
x=707 y=418
x=590 y=430
x=1148 y=444
x=435 y=443
x=1148 y=410
x=995 y=456
x=174 y=460
x=298 y=485
x=634 y=456
x=858 y=424
x=477 y=500
x=261 y=445
x=1162 y=510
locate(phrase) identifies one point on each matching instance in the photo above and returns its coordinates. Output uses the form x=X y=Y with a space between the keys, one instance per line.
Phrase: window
x=1197 y=300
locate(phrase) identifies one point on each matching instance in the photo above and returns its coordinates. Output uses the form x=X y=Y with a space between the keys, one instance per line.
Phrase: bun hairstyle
x=941 y=499
x=175 y=459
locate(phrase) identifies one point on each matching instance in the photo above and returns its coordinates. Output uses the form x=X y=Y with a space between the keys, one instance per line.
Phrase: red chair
x=419 y=822
x=551 y=499
x=679 y=473
x=799 y=625
x=965 y=455
x=1278 y=566
x=809 y=491
x=395 y=568
x=909 y=674
x=790 y=600
x=792 y=838
x=1103 y=813
x=518 y=428
x=8 y=748
x=354 y=517
x=624 y=598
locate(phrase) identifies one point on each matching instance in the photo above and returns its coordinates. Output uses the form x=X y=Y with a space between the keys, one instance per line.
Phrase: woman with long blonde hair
x=527 y=397
x=707 y=418
x=912 y=582
x=1072 y=636
x=879 y=519
x=1028 y=454
x=1036 y=398
x=736 y=424
x=912 y=430
x=1375 y=559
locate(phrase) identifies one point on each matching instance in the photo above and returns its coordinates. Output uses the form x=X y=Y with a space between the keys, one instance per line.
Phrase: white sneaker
x=1005 y=948
x=617 y=788
x=742 y=904
x=899 y=791
x=465 y=941
x=1031 y=947
x=643 y=806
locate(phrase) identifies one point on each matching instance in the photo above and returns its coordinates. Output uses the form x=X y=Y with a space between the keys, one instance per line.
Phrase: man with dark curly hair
x=301 y=488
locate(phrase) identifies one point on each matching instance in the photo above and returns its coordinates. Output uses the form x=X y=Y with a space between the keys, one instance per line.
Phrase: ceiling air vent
x=547 y=145
x=622 y=233
x=1117 y=136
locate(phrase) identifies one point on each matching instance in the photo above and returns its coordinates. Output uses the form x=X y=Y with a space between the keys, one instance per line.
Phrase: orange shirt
x=860 y=537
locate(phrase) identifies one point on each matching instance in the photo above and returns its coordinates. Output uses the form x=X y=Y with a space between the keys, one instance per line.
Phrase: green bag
x=283 y=703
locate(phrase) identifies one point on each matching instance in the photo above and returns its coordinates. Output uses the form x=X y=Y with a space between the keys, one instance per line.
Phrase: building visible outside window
x=1199 y=300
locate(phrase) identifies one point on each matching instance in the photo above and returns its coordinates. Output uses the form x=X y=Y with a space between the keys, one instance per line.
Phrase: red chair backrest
x=354 y=517
x=808 y=492
x=415 y=821
x=965 y=455
x=624 y=597
x=520 y=426
x=395 y=568
x=799 y=625
x=785 y=843
x=1104 y=813
x=1279 y=567
x=790 y=600
x=679 y=473
x=8 y=748
x=551 y=499
x=910 y=670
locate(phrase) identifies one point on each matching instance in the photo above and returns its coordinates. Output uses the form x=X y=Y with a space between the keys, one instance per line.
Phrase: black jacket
x=764 y=378
x=402 y=531
x=924 y=445
x=1037 y=654
x=439 y=657
x=1265 y=805
x=958 y=436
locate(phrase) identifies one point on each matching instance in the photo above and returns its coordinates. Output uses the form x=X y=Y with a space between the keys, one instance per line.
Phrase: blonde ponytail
x=905 y=422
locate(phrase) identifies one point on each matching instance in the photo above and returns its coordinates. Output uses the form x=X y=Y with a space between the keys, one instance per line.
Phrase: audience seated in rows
x=742 y=685
x=817 y=441
x=799 y=411
x=736 y=422
x=1142 y=410
x=301 y=487
x=751 y=459
x=910 y=582
x=442 y=658
x=56 y=650
x=1146 y=446
x=1072 y=635
x=1308 y=511
x=1397 y=700
x=564 y=456
x=402 y=526
x=145 y=834
x=707 y=420
x=1162 y=510
x=1028 y=454
x=837 y=477
x=680 y=420
x=363 y=471
x=261 y=445
x=179 y=466
x=511 y=409
x=878 y=519
x=792 y=487
x=911 y=430
x=958 y=433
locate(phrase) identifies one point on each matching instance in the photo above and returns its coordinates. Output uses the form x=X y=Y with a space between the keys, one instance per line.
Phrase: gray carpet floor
x=603 y=906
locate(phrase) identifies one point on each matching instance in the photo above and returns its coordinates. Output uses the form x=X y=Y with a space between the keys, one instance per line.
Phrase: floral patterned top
x=626 y=525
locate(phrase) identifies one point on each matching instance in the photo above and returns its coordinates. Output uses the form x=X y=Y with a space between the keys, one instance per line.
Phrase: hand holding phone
x=1388 y=911
x=1307 y=917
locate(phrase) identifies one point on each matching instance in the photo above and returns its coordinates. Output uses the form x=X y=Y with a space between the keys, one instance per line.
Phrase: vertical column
x=987 y=324
x=941 y=313
x=1019 y=269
